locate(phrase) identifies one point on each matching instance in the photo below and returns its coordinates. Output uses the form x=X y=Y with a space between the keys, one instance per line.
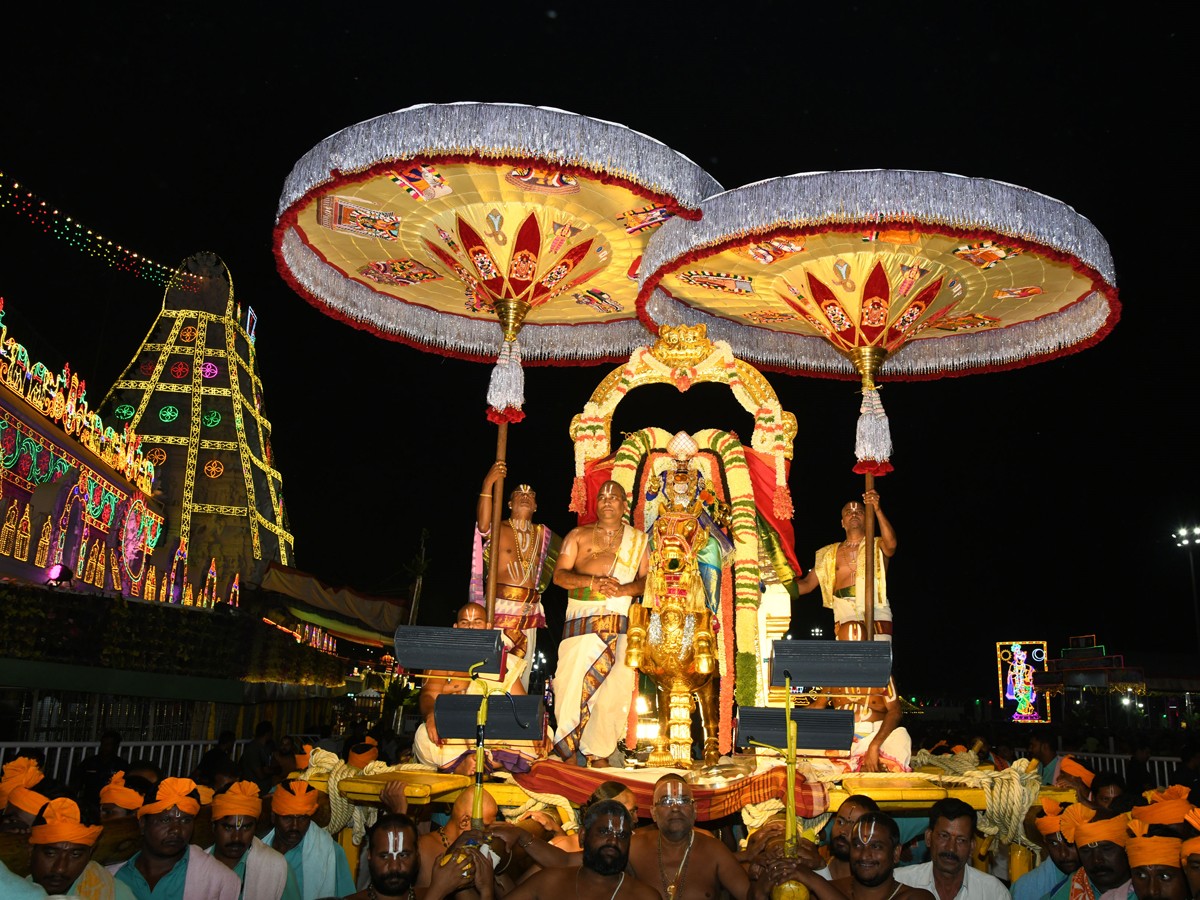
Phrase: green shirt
x=169 y=887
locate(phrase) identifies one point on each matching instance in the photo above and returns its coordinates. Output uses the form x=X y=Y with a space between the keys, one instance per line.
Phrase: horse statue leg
x=707 y=697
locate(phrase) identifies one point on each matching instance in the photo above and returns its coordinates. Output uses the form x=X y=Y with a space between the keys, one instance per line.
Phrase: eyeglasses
x=675 y=801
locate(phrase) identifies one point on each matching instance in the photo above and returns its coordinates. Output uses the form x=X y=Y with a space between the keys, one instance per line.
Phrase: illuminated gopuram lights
x=76 y=495
x=194 y=394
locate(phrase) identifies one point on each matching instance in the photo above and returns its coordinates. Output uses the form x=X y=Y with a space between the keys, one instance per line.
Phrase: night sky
x=1031 y=504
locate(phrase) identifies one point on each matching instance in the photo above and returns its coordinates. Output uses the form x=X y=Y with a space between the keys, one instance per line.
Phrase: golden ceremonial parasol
x=456 y=227
x=890 y=274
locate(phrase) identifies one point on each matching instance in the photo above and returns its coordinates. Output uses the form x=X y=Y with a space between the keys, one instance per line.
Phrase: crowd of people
x=266 y=842
x=246 y=829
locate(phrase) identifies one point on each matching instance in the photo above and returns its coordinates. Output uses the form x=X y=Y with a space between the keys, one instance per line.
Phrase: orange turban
x=117 y=794
x=24 y=771
x=1068 y=766
x=173 y=792
x=1174 y=792
x=1165 y=812
x=363 y=753
x=295 y=798
x=1192 y=817
x=1072 y=817
x=21 y=772
x=1051 y=821
x=63 y=826
x=302 y=760
x=1153 y=851
x=1113 y=830
x=1169 y=807
x=1048 y=825
x=1190 y=847
x=241 y=799
x=27 y=801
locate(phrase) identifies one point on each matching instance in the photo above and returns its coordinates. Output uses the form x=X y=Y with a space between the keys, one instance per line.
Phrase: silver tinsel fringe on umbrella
x=952 y=201
x=502 y=129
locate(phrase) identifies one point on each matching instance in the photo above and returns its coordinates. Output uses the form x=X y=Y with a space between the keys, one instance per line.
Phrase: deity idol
x=671 y=635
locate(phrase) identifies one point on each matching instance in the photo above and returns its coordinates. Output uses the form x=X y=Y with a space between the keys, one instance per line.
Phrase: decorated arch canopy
x=684 y=356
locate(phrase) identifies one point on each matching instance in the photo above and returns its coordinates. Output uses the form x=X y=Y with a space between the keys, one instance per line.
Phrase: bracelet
x=527 y=841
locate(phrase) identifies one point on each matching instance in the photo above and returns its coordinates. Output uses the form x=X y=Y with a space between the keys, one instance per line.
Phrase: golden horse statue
x=671 y=633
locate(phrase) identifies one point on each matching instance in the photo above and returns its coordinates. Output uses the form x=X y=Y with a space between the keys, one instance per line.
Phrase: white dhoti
x=895 y=753
x=593 y=688
x=513 y=756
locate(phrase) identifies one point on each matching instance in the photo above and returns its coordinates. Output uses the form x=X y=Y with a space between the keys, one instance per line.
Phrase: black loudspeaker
x=509 y=718
x=449 y=649
x=831 y=664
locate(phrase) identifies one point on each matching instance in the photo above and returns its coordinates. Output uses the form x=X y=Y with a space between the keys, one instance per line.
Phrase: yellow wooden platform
x=430 y=787
x=419 y=787
x=909 y=793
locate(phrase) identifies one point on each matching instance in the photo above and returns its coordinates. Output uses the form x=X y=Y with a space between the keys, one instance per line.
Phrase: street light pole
x=1189 y=539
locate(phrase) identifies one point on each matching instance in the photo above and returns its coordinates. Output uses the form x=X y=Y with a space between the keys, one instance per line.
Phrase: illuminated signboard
x=1016 y=661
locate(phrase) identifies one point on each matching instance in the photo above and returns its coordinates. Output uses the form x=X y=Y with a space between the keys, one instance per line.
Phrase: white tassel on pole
x=506 y=389
x=873 y=440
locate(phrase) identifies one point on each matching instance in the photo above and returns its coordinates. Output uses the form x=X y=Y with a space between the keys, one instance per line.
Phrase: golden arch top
x=683 y=355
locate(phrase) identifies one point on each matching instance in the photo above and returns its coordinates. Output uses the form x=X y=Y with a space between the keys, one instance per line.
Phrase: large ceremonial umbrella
x=456 y=227
x=891 y=274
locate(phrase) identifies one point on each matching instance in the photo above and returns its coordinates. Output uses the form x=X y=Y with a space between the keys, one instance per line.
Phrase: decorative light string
x=17 y=197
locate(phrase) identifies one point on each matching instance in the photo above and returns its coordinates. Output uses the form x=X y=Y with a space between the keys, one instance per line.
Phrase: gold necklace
x=523 y=542
x=610 y=539
x=680 y=873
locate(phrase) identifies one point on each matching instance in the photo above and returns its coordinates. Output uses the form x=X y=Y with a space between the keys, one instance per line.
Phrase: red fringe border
x=509 y=414
x=873 y=467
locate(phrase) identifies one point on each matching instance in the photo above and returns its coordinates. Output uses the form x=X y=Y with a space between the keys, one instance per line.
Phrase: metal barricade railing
x=176 y=759
x=1161 y=767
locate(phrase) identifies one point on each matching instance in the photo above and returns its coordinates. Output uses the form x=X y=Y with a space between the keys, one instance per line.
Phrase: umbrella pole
x=497 y=519
x=869 y=580
x=867 y=361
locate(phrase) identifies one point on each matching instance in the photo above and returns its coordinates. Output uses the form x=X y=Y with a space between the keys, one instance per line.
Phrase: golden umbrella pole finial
x=873 y=447
x=511 y=314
